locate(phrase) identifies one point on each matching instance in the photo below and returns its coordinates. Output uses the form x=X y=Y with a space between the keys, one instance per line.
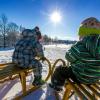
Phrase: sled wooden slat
x=87 y=92
x=9 y=70
x=97 y=86
x=94 y=90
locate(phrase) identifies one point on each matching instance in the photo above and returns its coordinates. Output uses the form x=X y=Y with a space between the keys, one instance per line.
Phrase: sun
x=55 y=17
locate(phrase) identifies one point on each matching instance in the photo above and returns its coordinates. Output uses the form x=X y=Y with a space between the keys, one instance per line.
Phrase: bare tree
x=12 y=27
x=12 y=38
x=21 y=28
x=13 y=33
x=46 y=39
x=3 y=27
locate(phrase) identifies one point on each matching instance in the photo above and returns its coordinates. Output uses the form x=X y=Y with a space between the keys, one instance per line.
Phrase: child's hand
x=43 y=59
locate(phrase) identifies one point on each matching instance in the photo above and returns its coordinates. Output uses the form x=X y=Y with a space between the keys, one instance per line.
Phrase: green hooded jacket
x=84 y=58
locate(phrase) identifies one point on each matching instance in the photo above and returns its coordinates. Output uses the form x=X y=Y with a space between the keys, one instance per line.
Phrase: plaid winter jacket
x=26 y=49
x=85 y=59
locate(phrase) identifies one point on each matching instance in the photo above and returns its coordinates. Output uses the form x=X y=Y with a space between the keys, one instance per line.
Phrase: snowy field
x=10 y=89
x=52 y=52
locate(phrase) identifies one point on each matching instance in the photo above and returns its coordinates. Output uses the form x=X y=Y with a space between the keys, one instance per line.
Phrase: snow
x=44 y=93
x=53 y=52
x=6 y=55
x=10 y=89
x=58 y=46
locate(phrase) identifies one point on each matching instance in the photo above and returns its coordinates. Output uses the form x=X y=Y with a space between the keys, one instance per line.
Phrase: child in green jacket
x=84 y=57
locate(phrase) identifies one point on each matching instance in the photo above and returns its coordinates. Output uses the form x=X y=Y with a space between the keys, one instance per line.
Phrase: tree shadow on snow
x=35 y=95
x=6 y=87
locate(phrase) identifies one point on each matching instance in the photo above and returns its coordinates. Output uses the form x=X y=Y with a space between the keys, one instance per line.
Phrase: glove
x=43 y=59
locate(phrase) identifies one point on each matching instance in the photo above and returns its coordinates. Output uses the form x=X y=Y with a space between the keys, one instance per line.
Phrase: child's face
x=39 y=37
x=37 y=30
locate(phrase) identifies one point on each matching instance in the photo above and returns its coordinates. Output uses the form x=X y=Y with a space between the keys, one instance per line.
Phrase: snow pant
x=61 y=74
x=37 y=68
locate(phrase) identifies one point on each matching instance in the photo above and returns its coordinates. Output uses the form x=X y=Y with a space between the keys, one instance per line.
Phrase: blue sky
x=30 y=13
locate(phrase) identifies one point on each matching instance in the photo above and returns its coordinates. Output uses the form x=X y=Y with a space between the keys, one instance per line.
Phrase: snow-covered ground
x=10 y=89
x=52 y=52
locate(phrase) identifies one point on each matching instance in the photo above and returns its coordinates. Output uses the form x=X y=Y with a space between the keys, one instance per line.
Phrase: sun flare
x=55 y=17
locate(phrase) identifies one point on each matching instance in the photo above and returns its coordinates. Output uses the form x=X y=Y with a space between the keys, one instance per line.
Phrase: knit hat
x=36 y=28
x=28 y=33
x=89 y=26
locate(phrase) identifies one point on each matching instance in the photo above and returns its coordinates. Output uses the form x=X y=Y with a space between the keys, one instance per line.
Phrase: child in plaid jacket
x=26 y=49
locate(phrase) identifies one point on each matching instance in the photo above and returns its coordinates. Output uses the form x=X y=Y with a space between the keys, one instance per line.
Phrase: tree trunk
x=4 y=38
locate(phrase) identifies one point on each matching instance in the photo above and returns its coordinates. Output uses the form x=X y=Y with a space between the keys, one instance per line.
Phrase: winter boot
x=38 y=81
x=55 y=87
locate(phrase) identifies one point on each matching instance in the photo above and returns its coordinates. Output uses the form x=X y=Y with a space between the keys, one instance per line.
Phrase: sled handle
x=58 y=60
x=49 y=65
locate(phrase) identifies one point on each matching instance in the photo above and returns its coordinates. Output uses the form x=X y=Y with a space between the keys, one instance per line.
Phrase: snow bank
x=57 y=46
